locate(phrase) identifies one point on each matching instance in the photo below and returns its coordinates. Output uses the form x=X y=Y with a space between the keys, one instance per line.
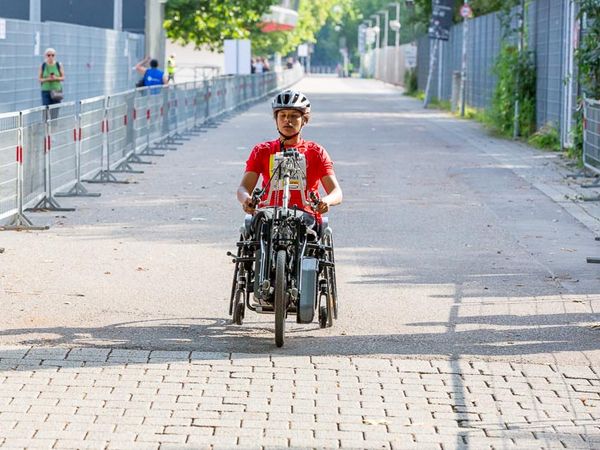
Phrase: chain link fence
x=96 y=61
x=550 y=29
x=591 y=135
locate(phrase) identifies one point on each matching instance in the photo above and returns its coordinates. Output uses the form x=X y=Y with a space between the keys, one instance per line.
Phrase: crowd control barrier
x=591 y=137
x=9 y=164
x=49 y=151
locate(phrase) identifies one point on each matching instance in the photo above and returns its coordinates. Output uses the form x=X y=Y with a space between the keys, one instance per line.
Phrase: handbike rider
x=291 y=111
x=285 y=253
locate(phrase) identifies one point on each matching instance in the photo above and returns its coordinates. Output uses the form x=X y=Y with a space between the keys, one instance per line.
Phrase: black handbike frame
x=282 y=238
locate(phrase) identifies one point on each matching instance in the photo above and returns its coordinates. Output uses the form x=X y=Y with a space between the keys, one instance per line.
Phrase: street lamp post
x=395 y=25
x=378 y=34
x=367 y=29
x=386 y=14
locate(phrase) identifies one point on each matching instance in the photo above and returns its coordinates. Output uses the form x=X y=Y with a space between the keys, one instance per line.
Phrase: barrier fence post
x=105 y=175
x=119 y=148
x=78 y=189
x=591 y=142
x=11 y=174
x=48 y=202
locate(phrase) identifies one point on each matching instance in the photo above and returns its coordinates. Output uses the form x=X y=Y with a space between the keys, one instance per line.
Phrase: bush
x=546 y=138
x=516 y=80
x=411 y=84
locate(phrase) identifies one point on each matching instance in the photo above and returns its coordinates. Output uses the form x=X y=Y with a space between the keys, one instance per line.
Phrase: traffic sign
x=465 y=11
x=441 y=20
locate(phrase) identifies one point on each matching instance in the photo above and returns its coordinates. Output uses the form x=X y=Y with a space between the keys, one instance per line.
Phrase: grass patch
x=546 y=138
x=440 y=104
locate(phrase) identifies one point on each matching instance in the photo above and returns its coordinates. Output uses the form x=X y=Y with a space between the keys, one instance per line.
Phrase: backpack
x=44 y=66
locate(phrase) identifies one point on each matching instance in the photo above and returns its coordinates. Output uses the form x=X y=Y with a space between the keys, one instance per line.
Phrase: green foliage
x=207 y=23
x=440 y=104
x=411 y=84
x=546 y=138
x=516 y=80
x=588 y=62
x=576 y=152
x=516 y=75
x=588 y=53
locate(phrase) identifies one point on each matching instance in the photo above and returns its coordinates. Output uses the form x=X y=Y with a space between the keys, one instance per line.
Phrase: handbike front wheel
x=280 y=297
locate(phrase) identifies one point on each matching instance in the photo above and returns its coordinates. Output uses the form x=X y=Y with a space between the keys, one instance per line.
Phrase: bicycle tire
x=238 y=308
x=280 y=298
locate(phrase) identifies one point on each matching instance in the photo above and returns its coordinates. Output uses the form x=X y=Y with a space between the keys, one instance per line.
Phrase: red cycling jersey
x=318 y=165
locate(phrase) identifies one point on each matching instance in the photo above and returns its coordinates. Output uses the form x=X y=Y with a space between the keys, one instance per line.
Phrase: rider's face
x=289 y=121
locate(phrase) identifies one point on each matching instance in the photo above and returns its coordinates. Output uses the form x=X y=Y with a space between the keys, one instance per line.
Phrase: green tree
x=207 y=23
x=588 y=64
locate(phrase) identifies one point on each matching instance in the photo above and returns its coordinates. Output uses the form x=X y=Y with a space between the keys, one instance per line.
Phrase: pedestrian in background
x=51 y=76
x=265 y=64
x=152 y=76
x=171 y=67
x=258 y=66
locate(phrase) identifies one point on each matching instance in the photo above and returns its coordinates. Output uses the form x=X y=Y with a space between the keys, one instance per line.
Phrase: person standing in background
x=152 y=76
x=171 y=67
x=265 y=64
x=51 y=75
x=258 y=66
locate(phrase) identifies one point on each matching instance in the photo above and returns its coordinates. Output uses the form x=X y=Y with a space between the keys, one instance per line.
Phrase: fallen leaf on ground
x=375 y=422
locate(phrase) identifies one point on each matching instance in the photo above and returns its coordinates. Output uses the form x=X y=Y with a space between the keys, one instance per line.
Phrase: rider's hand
x=322 y=206
x=248 y=206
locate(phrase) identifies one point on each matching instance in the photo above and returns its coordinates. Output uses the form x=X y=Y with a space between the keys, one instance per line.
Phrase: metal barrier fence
x=591 y=135
x=9 y=165
x=60 y=146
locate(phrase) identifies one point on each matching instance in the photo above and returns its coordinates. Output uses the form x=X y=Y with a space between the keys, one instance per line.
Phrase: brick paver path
x=111 y=398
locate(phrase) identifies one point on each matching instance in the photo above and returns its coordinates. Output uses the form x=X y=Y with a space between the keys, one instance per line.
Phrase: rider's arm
x=334 y=194
x=247 y=185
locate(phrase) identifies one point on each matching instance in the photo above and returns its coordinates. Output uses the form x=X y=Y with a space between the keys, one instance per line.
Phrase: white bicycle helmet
x=290 y=99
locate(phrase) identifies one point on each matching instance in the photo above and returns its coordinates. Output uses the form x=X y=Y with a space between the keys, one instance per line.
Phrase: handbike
x=284 y=262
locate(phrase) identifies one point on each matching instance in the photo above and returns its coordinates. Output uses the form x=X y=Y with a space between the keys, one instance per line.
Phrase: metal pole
x=377 y=24
x=520 y=47
x=387 y=26
x=570 y=24
x=118 y=15
x=440 y=67
x=433 y=52
x=398 y=30
x=397 y=46
x=35 y=10
x=386 y=42
x=463 y=71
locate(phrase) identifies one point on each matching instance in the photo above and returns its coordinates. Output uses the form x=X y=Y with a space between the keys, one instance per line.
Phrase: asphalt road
x=442 y=249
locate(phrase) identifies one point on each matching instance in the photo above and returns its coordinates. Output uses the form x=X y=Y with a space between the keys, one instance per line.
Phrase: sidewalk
x=550 y=172
x=124 y=399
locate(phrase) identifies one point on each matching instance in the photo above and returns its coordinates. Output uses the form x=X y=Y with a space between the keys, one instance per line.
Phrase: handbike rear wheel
x=332 y=298
x=238 y=307
x=280 y=297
